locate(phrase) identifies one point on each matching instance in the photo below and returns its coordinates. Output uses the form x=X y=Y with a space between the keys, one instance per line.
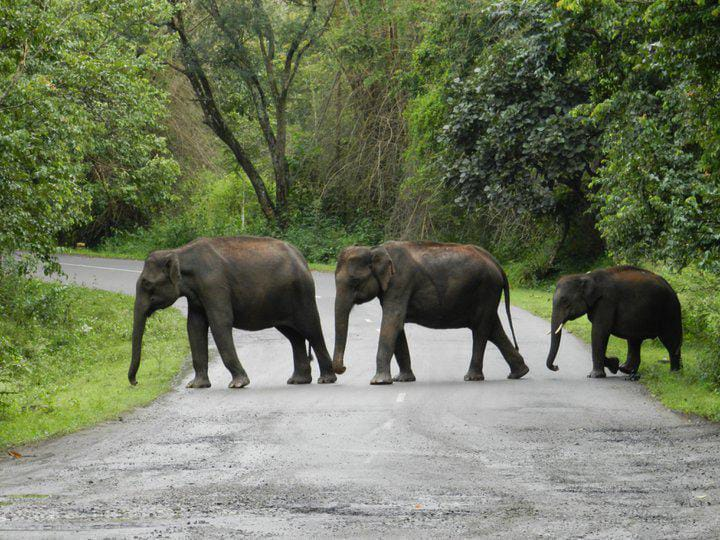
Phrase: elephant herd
x=253 y=283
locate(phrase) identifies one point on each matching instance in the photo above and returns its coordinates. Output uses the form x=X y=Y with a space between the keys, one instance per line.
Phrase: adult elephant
x=623 y=301
x=246 y=282
x=431 y=284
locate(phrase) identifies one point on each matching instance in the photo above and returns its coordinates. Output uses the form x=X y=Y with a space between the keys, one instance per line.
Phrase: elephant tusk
x=559 y=328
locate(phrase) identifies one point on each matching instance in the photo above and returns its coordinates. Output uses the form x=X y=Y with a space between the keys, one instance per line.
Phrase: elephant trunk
x=556 y=325
x=343 y=307
x=140 y=318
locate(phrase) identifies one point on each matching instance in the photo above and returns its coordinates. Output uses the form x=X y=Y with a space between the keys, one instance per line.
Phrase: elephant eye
x=146 y=284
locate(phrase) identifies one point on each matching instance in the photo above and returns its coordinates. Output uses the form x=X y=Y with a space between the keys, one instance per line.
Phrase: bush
x=700 y=300
x=25 y=303
x=227 y=207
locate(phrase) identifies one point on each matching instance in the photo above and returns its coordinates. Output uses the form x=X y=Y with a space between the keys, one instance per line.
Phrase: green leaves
x=512 y=138
x=79 y=117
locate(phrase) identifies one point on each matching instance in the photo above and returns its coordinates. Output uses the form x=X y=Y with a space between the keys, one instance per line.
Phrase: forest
x=560 y=135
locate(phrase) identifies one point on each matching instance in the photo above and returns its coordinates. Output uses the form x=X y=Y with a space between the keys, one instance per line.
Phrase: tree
x=512 y=138
x=78 y=116
x=259 y=45
x=653 y=71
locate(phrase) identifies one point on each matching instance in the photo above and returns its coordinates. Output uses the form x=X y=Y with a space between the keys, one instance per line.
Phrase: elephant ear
x=382 y=266
x=591 y=289
x=172 y=268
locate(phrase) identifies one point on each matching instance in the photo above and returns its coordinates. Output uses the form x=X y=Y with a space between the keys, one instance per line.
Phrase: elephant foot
x=239 y=381
x=474 y=376
x=381 y=378
x=404 y=377
x=298 y=378
x=327 y=378
x=627 y=368
x=519 y=372
x=597 y=374
x=633 y=377
x=613 y=364
x=199 y=382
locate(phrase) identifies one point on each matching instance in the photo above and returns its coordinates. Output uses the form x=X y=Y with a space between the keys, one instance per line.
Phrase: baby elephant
x=246 y=282
x=625 y=301
x=434 y=285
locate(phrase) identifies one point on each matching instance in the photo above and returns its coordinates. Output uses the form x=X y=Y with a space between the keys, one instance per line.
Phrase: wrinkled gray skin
x=246 y=282
x=623 y=301
x=431 y=284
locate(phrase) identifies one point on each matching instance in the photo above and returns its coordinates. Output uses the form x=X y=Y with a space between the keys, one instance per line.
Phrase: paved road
x=552 y=455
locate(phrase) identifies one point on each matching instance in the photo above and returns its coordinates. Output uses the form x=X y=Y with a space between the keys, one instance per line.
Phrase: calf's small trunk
x=555 y=335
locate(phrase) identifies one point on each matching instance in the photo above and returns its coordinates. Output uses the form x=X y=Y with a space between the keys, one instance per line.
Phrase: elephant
x=246 y=282
x=432 y=284
x=624 y=301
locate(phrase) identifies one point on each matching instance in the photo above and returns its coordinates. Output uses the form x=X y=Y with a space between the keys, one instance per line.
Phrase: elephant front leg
x=393 y=320
x=600 y=337
x=197 y=329
x=222 y=334
x=402 y=355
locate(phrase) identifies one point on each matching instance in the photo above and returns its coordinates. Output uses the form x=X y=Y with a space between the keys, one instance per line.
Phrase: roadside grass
x=68 y=371
x=134 y=254
x=686 y=391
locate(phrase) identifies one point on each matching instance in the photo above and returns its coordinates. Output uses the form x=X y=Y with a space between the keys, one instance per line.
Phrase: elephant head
x=157 y=287
x=574 y=297
x=362 y=273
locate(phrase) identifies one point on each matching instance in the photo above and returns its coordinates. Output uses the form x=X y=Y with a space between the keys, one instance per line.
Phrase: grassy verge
x=139 y=256
x=686 y=391
x=64 y=360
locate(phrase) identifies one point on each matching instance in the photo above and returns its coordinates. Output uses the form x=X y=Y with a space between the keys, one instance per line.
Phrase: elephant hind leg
x=518 y=367
x=632 y=363
x=673 y=344
x=301 y=372
x=309 y=327
x=475 y=371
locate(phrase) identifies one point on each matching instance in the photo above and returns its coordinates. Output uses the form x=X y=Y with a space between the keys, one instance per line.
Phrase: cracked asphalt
x=554 y=455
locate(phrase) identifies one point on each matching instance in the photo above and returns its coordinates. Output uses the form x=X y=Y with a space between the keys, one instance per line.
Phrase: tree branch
x=213 y=117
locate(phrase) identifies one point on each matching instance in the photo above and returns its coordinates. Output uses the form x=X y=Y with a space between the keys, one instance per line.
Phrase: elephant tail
x=506 y=290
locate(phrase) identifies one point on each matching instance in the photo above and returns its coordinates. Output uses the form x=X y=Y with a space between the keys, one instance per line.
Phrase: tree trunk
x=280 y=166
x=214 y=118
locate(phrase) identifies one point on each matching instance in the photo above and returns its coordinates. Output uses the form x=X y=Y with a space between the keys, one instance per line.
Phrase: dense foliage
x=513 y=139
x=80 y=119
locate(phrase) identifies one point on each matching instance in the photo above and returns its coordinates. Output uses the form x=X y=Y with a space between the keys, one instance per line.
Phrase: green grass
x=130 y=254
x=70 y=371
x=140 y=256
x=686 y=391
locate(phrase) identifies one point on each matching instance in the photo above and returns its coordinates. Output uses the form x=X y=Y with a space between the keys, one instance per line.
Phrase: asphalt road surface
x=554 y=455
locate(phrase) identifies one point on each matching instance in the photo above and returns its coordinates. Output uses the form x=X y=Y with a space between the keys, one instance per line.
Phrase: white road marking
x=401 y=397
x=388 y=424
x=102 y=267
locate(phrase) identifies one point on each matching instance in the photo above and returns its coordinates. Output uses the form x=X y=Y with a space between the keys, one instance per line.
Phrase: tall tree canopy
x=242 y=58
